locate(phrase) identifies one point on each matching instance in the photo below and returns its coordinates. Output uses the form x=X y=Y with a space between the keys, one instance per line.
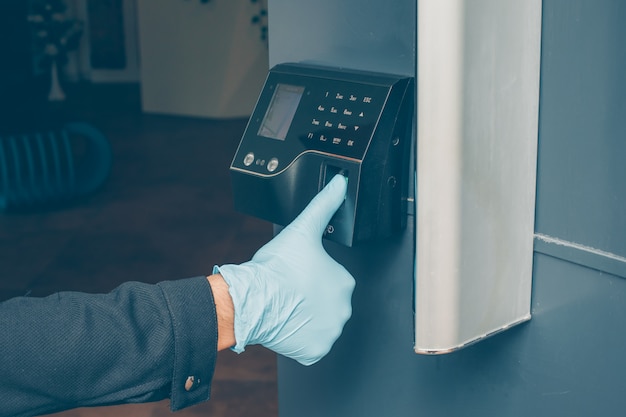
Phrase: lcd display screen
x=281 y=111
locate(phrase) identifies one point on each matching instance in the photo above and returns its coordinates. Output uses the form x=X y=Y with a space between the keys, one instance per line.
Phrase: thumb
x=317 y=214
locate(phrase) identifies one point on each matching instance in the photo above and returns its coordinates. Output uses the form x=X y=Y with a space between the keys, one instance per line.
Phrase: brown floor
x=164 y=213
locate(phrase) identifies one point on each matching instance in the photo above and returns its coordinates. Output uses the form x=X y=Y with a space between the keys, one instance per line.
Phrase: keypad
x=342 y=121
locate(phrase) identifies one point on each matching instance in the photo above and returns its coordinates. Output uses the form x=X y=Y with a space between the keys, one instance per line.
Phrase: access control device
x=311 y=123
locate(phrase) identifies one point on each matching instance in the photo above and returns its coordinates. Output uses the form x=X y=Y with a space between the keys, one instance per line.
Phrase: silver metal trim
x=470 y=342
x=580 y=254
x=345 y=158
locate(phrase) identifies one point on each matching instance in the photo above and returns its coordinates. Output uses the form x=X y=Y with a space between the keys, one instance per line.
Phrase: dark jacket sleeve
x=138 y=343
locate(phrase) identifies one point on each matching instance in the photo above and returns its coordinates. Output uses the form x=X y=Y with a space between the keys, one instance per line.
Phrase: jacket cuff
x=194 y=323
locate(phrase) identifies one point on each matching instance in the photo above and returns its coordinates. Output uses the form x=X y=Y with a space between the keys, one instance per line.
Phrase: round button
x=272 y=165
x=248 y=159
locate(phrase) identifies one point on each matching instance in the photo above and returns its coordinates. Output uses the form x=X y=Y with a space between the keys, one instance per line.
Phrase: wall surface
x=581 y=215
x=356 y=35
x=569 y=359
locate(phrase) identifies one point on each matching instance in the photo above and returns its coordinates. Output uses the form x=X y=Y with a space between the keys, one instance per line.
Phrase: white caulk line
x=578 y=246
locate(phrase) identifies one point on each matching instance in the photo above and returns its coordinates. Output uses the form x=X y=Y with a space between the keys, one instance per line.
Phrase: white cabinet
x=200 y=59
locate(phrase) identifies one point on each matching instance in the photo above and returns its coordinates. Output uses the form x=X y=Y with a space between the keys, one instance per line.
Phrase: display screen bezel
x=281 y=111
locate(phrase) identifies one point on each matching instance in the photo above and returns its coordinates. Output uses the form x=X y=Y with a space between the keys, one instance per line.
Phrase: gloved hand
x=292 y=297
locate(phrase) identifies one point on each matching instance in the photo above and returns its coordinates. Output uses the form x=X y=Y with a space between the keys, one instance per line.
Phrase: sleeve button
x=191 y=383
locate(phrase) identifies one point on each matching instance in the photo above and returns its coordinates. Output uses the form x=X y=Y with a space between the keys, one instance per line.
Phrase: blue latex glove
x=292 y=297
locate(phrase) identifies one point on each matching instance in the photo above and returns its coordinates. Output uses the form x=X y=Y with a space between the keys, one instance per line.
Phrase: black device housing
x=311 y=123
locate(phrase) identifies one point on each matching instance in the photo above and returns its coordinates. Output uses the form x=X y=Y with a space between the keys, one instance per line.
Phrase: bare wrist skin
x=225 y=312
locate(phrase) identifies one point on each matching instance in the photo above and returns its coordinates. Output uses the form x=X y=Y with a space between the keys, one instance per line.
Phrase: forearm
x=225 y=312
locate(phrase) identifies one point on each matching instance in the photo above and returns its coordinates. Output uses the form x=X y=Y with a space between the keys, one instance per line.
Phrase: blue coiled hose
x=52 y=167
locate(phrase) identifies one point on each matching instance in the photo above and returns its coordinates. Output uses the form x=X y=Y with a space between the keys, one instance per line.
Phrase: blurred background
x=170 y=84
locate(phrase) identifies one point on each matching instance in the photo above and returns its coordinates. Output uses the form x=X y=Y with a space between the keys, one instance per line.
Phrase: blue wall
x=581 y=189
x=570 y=358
